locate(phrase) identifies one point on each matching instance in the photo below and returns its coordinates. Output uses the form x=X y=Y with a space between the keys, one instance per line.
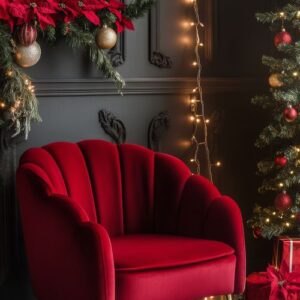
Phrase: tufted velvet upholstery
x=106 y=222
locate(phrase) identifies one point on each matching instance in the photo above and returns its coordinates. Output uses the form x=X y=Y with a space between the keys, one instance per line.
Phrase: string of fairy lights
x=199 y=139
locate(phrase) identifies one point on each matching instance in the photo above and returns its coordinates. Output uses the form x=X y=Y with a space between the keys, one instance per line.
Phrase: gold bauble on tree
x=106 y=38
x=27 y=56
x=274 y=80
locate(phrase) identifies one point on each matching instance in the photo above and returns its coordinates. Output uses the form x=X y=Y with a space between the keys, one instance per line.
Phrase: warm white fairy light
x=197 y=104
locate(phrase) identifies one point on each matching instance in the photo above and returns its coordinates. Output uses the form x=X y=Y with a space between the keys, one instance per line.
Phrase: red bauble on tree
x=283 y=201
x=282 y=37
x=290 y=114
x=280 y=161
x=26 y=35
x=256 y=232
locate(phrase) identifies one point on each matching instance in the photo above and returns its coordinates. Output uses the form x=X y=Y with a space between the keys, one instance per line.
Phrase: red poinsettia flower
x=88 y=8
x=26 y=11
x=67 y=8
x=4 y=14
x=115 y=7
x=124 y=23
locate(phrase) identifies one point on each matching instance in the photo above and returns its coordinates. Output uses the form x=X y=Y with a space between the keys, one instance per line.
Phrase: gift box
x=275 y=284
x=287 y=253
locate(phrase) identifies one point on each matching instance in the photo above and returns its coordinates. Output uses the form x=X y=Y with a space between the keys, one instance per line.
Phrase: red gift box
x=273 y=285
x=287 y=253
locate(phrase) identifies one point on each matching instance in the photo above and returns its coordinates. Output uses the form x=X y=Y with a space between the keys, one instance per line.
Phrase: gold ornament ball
x=274 y=80
x=27 y=56
x=106 y=38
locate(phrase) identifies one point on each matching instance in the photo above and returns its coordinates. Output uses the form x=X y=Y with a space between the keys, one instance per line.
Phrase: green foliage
x=137 y=8
x=15 y=95
x=279 y=137
x=18 y=103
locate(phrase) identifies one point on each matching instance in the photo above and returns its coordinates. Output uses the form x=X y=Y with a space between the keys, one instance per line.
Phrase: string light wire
x=197 y=104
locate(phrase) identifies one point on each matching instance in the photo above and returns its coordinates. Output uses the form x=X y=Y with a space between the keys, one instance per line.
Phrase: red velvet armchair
x=106 y=222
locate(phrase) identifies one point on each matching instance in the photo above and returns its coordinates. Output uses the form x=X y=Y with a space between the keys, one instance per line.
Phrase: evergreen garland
x=18 y=103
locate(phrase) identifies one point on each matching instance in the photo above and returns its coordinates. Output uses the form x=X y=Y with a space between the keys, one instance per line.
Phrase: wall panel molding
x=144 y=86
x=156 y=56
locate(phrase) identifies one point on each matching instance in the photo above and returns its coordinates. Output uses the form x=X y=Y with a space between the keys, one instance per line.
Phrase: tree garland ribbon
x=91 y=25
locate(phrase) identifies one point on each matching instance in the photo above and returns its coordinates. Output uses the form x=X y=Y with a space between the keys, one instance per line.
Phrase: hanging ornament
x=274 y=80
x=27 y=56
x=257 y=232
x=280 y=161
x=106 y=38
x=290 y=114
x=283 y=201
x=26 y=35
x=282 y=37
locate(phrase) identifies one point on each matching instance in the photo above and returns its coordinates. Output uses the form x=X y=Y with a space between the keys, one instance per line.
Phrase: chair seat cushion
x=148 y=252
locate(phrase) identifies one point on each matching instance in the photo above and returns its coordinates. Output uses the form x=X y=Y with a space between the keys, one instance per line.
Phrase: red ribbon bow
x=284 y=285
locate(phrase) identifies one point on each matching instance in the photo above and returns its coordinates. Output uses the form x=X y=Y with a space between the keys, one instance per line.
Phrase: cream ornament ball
x=28 y=56
x=106 y=37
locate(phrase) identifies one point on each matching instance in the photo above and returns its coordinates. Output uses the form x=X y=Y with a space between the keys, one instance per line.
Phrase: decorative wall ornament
x=156 y=57
x=117 y=54
x=112 y=126
x=157 y=129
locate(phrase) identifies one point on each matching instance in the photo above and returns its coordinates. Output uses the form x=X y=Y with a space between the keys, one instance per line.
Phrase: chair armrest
x=205 y=213
x=69 y=257
x=224 y=223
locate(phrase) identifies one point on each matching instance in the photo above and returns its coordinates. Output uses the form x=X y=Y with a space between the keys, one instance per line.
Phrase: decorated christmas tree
x=279 y=140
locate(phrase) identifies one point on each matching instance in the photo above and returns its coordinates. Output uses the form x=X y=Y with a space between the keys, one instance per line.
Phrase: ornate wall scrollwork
x=112 y=126
x=117 y=54
x=157 y=129
x=156 y=57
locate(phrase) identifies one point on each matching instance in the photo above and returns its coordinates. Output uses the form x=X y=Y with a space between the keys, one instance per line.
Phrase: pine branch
x=103 y=63
x=273 y=132
x=80 y=39
x=138 y=8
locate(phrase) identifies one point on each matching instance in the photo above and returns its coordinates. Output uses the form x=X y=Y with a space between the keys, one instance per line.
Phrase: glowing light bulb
x=281 y=184
x=267 y=220
x=298 y=14
x=274 y=213
x=207 y=121
x=195 y=90
x=218 y=164
x=192 y=160
x=201 y=44
x=293 y=216
x=295 y=74
x=192 y=118
x=9 y=73
x=192 y=24
x=292 y=172
x=282 y=14
x=198 y=120
x=287 y=224
x=2 y=104
x=194 y=63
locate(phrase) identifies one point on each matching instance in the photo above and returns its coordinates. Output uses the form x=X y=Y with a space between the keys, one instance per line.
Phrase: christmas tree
x=281 y=169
